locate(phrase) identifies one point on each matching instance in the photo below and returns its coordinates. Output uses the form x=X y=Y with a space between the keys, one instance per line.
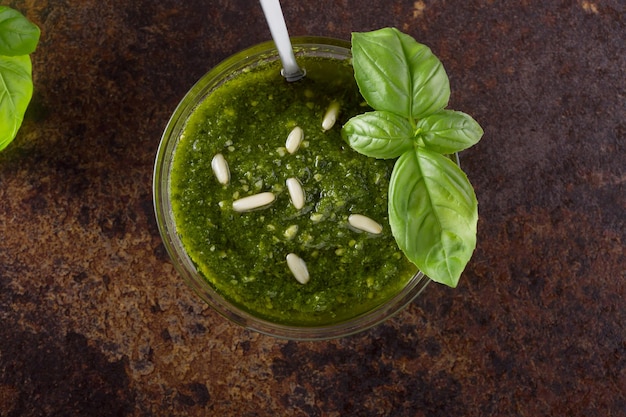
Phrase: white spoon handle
x=278 y=29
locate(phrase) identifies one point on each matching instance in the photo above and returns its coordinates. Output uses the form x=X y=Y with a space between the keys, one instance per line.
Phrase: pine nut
x=294 y=139
x=298 y=268
x=253 y=202
x=220 y=169
x=295 y=192
x=331 y=116
x=365 y=224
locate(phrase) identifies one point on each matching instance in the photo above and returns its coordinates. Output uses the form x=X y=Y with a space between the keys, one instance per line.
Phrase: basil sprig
x=433 y=211
x=18 y=38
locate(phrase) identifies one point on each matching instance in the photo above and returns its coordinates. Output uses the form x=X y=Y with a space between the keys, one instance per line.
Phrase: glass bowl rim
x=167 y=229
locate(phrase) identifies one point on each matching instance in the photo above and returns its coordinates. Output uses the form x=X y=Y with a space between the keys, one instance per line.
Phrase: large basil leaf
x=379 y=134
x=396 y=73
x=433 y=214
x=16 y=90
x=449 y=131
x=18 y=36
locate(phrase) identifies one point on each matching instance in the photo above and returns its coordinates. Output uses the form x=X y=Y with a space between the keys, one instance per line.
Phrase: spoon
x=276 y=21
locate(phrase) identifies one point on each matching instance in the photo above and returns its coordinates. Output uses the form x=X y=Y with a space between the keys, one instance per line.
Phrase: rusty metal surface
x=96 y=322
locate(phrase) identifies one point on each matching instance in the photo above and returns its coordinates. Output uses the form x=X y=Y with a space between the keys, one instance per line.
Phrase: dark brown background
x=95 y=321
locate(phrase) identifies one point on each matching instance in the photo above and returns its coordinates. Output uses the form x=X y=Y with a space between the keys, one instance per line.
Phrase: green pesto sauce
x=242 y=255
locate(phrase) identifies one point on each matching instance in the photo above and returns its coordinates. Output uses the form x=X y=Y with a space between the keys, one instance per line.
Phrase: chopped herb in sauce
x=243 y=255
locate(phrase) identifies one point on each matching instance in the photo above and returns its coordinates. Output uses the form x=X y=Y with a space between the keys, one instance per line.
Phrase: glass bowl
x=226 y=70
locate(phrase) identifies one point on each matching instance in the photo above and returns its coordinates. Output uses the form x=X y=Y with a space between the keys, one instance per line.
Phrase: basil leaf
x=16 y=90
x=396 y=73
x=433 y=214
x=18 y=36
x=379 y=134
x=449 y=131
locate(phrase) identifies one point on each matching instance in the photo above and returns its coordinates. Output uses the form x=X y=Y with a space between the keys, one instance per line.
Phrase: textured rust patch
x=44 y=374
